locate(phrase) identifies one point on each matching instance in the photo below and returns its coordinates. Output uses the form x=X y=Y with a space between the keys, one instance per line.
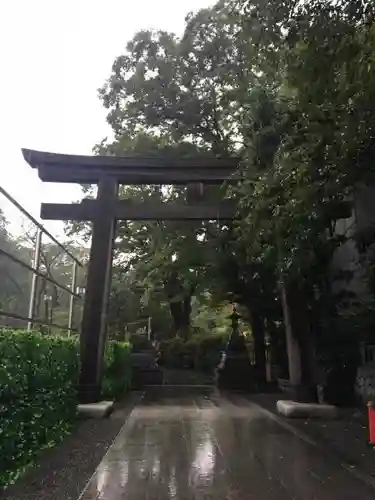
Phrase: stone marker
x=293 y=409
x=96 y=410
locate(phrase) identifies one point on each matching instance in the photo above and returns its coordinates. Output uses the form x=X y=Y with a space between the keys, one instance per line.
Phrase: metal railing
x=41 y=275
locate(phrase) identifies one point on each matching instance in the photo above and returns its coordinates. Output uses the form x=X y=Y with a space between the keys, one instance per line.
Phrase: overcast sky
x=54 y=57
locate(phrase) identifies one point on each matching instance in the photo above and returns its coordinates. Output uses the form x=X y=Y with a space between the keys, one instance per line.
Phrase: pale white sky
x=54 y=57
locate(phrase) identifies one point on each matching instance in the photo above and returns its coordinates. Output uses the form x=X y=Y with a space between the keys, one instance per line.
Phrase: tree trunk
x=301 y=327
x=181 y=315
x=278 y=350
x=186 y=318
x=258 y=331
x=294 y=355
x=299 y=342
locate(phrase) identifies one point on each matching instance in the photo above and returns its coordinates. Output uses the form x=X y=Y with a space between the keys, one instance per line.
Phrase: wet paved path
x=201 y=446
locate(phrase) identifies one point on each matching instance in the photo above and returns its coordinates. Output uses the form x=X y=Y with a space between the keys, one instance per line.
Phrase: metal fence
x=35 y=301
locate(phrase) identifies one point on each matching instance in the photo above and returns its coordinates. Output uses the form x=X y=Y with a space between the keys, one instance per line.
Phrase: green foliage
x=15 y=280
x=160 y=265
x=309 y=139
x=210 y=315
x=184 y=87
x=309 y=144
x=117 y=369
x=170 y=96
x=207 y=351
x=38 y=377
x=201 y=353
x=139 y=343
x=55 y=264
x=52 y=303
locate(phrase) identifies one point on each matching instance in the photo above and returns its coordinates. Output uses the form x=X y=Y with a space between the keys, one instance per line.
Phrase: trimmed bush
x=38 y=377
x=201 y=353
x=117 y=369
x=140 y=343
x=38 y=399
x=208 y=352
x=172 y=353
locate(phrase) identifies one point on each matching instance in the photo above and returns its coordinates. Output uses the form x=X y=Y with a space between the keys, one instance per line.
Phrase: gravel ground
x=62 y=472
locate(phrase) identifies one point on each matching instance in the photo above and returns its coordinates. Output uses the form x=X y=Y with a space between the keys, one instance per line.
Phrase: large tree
x=303 y=165
x=184 y=96
x=169 y=95
x=184 y=88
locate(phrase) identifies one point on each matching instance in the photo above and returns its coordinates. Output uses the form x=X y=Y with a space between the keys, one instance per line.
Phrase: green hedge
x=117 y=369
x=200 y=353
x=38 y=376
x=38 y=400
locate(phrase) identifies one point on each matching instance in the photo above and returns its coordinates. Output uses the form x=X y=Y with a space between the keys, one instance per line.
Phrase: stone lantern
x=235 y=371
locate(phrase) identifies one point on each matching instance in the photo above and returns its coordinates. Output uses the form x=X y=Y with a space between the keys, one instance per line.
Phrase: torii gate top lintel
x=166 y=169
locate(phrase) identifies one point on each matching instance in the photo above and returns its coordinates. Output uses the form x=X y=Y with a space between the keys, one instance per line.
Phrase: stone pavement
x=345 y=437
x=187 y=445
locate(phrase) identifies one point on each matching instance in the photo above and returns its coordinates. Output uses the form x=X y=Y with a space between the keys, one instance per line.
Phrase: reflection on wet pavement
x=202 y=446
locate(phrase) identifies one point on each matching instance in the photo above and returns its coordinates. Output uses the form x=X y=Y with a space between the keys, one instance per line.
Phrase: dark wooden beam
x=93 y=332
x=125 y=210
x=132 y=169
x=136 y=176
x=63 y=211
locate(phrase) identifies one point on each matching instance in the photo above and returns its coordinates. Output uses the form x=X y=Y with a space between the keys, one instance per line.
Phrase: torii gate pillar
x=94 y=320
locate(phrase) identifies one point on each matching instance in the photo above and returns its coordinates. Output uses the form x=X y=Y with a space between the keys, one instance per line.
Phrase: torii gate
x=108 y=173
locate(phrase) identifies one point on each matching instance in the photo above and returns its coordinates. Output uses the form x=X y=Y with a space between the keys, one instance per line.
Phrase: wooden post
x=97 y=290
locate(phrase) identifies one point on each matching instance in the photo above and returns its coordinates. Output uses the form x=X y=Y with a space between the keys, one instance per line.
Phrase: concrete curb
x=360 y=475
